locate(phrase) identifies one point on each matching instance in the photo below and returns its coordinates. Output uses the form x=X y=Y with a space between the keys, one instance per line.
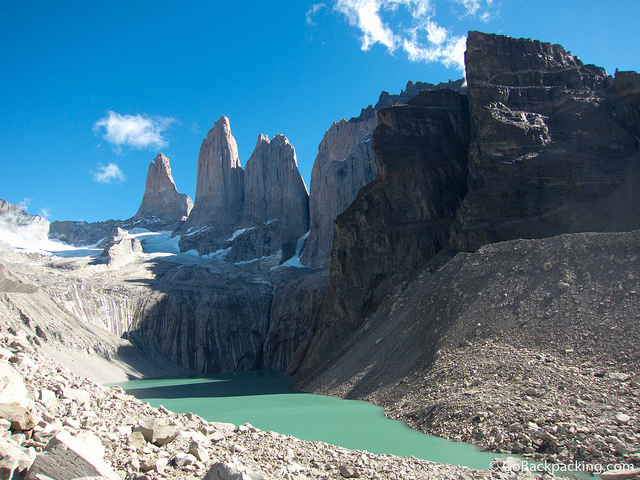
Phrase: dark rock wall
x=547 y=146
x=546 y=143
x=400 y=220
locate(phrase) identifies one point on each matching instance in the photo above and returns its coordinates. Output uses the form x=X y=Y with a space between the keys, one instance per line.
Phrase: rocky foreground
x=57 y=425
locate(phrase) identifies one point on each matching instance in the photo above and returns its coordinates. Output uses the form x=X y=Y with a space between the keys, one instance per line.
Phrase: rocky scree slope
x=526 y=346
x=63 y=426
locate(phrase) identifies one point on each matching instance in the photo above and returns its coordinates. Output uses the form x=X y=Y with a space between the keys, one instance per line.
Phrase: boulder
x=16 y=399
x=158 y=431
x=620 y=474
x=14 y=458
x=198 y=450
x=235 y=471
x=66 y=458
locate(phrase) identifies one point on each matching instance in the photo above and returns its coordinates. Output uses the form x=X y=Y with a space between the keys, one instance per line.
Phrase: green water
x=262 y=399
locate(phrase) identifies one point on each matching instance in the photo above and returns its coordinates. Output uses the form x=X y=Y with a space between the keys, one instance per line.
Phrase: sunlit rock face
x=276 y=204
x=161 y=202
x=217 y=209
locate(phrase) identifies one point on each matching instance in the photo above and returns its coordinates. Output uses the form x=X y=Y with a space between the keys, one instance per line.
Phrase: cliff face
x=548 y=149
x=276 y=204
x=219 y=192
x=546 y=146
x=161 y=202
x=401 y=219
x=345 y=163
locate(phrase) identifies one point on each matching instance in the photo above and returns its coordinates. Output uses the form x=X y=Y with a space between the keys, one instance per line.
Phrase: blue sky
x=91 y=91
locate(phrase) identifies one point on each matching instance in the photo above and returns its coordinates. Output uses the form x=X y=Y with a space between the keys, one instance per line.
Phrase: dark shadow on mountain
x=216 y=386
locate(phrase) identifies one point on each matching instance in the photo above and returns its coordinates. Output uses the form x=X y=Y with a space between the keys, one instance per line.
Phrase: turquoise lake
x=262 y=399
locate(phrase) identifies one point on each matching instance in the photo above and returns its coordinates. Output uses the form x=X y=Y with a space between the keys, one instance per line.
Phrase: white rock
x=16 y=400
x=67 y=458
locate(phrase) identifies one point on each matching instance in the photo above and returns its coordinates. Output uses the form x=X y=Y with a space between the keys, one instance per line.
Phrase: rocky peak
x=219 y=189
x=274 y=188
x=344 y=164
x=276 y=206
x=161 y=200
x=502 y=60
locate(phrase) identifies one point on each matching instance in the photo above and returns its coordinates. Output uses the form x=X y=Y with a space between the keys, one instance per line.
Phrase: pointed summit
x=274 y=188
x=161 y=201
x=219 y=189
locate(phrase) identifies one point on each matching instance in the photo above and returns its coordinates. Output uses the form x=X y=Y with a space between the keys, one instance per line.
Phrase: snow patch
x=239 y=232
x=295 y=260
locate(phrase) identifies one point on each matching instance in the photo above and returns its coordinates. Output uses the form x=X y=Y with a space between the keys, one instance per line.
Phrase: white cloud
x=484 y=10
x=45 y=212
x=135 y=131
x=315 y=8
x=24 y=204
x=365 y=14
x=421 y=38
x=109 y=174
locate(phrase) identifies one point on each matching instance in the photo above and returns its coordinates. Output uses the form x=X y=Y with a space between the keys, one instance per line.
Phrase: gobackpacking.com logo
x=542 y=467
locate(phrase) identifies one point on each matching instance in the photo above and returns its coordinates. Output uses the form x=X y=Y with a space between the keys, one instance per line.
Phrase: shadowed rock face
x=548 y=146
x=292 y=310
x=219 y=192
x=401 y=219
x=345 y=163
x=161 y=200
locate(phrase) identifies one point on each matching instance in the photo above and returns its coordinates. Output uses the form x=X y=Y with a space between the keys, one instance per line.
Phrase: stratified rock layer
x=161 y=201
x=219 y=192
x=548 y=149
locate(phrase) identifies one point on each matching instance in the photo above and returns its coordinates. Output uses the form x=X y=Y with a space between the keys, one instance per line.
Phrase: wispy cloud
x=315 y=8
x=418 y=35
x=45 y=212
x=136 y=131
x=108 y=174
x=485 y=10
x=24 y=204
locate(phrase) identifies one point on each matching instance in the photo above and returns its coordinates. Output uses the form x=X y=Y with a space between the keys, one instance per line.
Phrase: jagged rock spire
x=274 y=189
x=161 y=200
